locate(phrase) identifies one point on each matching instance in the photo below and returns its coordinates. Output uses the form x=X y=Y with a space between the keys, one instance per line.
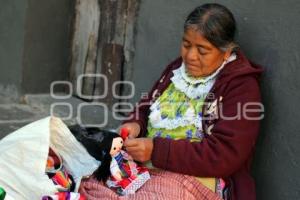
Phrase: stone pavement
x=34 y=107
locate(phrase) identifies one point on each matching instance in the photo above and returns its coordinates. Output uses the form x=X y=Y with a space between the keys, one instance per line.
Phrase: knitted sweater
x=230 y=123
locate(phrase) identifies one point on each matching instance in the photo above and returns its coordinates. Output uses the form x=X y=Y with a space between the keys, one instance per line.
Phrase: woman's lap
x=163 y=185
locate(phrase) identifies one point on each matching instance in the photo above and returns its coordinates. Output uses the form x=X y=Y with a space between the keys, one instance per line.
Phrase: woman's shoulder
x=241 y=71
x=174 y=64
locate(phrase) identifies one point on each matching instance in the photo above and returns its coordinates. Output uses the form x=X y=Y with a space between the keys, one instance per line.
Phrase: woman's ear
x=227 y=54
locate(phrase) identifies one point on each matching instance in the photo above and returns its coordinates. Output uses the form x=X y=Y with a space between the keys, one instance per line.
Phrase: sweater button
x=162 y=79
x=154 y=94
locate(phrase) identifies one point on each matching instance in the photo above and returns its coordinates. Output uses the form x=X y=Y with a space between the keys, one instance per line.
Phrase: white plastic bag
x=23 y=157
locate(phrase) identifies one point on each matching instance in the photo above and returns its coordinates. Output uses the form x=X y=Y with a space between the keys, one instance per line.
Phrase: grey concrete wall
x=34 y=45
x=269 y=34
x=46 y=44
x=12 y=22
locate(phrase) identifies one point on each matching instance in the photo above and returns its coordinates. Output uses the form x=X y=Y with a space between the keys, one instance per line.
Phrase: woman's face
x=201 y=58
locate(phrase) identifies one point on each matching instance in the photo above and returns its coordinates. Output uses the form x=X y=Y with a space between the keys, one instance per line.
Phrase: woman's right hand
x=133 y=129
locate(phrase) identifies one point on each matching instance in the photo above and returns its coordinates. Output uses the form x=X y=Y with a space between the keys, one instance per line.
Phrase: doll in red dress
x=117 y=169
x=124 y=175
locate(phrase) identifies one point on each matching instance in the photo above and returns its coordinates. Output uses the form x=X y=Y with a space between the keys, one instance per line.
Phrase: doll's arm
x=126 y=156
x=115 y=170
x=131 y=163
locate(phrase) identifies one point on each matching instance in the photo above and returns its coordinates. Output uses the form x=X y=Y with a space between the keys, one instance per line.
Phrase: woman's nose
x=192 y=54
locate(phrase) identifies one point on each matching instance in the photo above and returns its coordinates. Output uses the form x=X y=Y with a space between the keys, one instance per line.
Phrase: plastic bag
x=23 y=157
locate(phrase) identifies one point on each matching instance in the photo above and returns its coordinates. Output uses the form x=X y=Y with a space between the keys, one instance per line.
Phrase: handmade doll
x=117 y=170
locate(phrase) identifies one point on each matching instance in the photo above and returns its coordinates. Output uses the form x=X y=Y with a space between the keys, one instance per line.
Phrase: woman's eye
x=202 y=51
x=186 y=45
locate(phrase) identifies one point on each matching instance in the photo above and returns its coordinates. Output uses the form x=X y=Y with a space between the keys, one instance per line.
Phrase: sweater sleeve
x=230 y=144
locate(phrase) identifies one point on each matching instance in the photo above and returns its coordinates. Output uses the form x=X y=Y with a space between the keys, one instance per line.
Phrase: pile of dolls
x=61 y=178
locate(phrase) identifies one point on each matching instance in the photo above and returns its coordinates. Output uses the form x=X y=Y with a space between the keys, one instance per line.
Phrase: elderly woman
x=200 y=121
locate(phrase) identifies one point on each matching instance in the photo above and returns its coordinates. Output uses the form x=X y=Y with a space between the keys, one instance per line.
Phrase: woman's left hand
x=139 y=148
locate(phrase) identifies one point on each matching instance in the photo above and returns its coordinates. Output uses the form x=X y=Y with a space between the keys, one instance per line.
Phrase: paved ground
x=34 y=107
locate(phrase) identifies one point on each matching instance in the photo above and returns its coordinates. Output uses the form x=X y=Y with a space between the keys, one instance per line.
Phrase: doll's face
x=116 y=146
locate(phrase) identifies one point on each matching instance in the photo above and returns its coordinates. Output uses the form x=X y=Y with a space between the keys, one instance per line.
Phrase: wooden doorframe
x=102 y=43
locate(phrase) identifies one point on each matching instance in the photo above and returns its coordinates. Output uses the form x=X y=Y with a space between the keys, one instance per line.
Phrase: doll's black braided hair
x=98 y=144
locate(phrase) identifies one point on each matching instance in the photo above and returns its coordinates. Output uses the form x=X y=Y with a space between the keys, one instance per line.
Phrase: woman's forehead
x=195 y=37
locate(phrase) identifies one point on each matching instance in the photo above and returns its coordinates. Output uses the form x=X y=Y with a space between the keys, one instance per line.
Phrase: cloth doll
x=117 y=169
x=58 y=173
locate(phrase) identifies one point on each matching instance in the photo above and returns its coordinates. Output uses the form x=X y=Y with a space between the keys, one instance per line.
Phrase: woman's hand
x=139 y=148
x=133 y=129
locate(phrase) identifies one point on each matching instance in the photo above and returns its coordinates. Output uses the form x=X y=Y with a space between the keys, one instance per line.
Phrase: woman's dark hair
x=215 y=22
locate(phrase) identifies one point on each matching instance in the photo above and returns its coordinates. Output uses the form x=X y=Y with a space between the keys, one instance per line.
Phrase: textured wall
x=46 y=44
x=269 y=34
x=34 y=45
x=12 y=19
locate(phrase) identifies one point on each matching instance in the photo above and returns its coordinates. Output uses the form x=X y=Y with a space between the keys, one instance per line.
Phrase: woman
x=201 y=117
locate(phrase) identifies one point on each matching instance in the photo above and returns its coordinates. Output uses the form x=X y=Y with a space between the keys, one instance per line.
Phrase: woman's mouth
x=190 y=67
